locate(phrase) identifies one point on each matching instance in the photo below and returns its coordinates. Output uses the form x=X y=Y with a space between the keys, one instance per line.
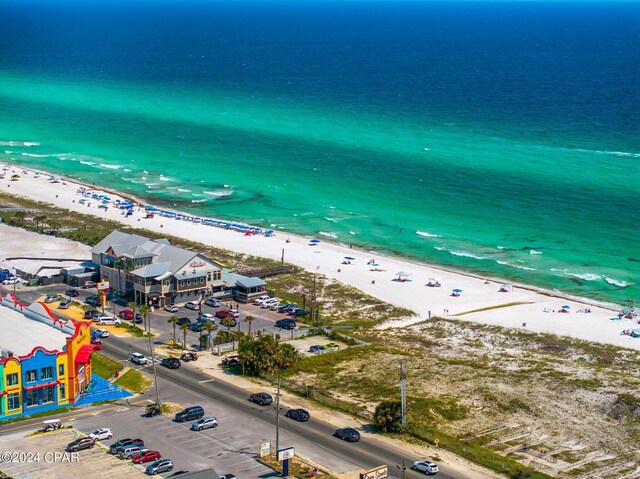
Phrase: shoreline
x=479 y=292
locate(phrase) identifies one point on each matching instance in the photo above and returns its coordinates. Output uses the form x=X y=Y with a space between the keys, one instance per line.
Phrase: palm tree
x=228 y=322
x=209 y=326
x=19 y=216
x=184 y=328
x=145 y=311
x=133 y=306
x=54 y=225
x=101 y=296
x=39 y=220
x=249 y=319
x=174 y=321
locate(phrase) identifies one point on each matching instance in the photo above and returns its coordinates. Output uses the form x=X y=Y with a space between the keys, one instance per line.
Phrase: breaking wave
x=427 y=235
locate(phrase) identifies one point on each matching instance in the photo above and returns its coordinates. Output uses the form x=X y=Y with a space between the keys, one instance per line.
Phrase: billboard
x=284 y=454
x=379 y=472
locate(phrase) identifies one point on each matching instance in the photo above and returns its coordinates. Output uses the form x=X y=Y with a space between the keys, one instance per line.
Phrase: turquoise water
x=515 y=173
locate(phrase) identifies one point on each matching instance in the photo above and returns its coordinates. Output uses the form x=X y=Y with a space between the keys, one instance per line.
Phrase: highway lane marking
x=206 y=381
x=362 y=451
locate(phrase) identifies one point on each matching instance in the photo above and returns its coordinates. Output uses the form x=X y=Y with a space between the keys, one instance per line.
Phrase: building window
x=46 y=373
x=32 y=398
x=181 y=283
x=63 y=391
x=12 y=379
x=47 y=394
x=31 y=375
x=60 y=369
x=167 y=282
x=13 y=401
x=209 y=276
x=202 y=280
x=188 y=282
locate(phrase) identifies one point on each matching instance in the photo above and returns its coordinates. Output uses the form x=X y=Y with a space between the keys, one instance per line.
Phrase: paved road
x=367 y=453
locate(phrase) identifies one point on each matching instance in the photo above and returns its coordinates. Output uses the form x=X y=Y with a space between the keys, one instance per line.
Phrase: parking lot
x=264 y=319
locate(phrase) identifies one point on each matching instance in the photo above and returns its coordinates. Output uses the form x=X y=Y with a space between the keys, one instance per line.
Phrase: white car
x=101 y=434
x=192 y=305
x=107 y=320
x=213 y=302
x=172 y=308
x=275 y=306
x=138 y=358
x=267 y=304
x=206 y=317
x=14 y=280
x=428 y=467
x=261 y=299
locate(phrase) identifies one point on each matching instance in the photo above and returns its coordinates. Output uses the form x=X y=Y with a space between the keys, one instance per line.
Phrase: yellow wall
x=73 y=345
x=62 y=359
x=12 y=366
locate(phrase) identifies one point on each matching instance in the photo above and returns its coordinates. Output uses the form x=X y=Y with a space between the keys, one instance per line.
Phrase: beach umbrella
x=402 y=273
x=314 y=241
x=566 y=306
x=624 y=310
x=457 y=290
x=349 y=258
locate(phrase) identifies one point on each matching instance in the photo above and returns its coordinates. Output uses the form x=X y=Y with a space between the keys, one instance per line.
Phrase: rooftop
x=21 y=334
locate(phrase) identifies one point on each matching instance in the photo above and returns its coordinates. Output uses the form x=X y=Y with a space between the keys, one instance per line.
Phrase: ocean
x=501 y=139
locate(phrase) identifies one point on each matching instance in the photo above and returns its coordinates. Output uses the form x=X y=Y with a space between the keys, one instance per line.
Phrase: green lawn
x=133 y=381
x=103 y=366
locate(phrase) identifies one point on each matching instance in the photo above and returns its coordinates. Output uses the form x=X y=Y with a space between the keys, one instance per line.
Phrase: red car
x=146 y=456
x=126 y=314
x=224 y=313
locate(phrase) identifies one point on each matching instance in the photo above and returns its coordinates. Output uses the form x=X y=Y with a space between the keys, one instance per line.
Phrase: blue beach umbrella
x=349 y=258
x=314 y=241
x=457 y=291
x=566 y=306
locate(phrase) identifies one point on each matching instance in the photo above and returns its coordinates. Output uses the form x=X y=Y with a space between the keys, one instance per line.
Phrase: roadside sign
x=265 y=449
x=436 y=442
x=379 y=472
x=103 y=286
x=284 y=454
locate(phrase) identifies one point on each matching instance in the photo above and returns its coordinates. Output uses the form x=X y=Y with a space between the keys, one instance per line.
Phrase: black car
x=80 y=444
x=182 y=321
x=92 y=300
x=299 y=312
x=171 y=363
x=138 y=319
x=189 y=414
x=347 y=434
x=263 y=399
x=96 y=340
x=72 y=293
x=116 y=446
x=298 y=414
x=286 y=324
x=90 y=313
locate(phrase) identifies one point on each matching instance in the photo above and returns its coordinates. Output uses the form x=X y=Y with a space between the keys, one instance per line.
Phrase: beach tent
x=433 y=282
x=506 y=288
x=456 y=292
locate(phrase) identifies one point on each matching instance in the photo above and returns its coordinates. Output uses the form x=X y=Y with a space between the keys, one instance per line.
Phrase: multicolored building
x=45 y=362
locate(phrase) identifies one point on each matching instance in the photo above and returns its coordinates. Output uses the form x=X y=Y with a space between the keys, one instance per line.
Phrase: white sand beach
x=540 y=314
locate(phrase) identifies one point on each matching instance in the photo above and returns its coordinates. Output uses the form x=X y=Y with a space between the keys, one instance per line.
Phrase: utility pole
x=403 y=393
x=282 y=259
x=278 y=416
x=155 y=376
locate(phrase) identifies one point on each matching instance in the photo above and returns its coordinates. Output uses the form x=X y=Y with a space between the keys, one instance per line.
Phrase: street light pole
x=153 y=363
x=278 y=416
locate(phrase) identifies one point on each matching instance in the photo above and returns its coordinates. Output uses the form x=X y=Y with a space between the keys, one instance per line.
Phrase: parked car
x=213 y=302
x=100 y=333
x=172 y=308
x=347 y=434
x=194 y=306
x=163 y=465
x=261 y=299
x=267 y=303
x=127 y=452
x=52 y=298
x=138 y=319
x=90 y=313
x=182 y=321
x=88 y=284
x=72 y=293
x=171 y=363
x=288 y=307
x=146 y=456
x=205 y=423
x=231 y=361
x=92 y=300
x=189 y=356
x=138 y=358
x=263 y=399
x=428 y=467
x=14 y=280
x=316 y=348
x=299 y=312
x=189 y=414
x=95 y=340
x=206 y=317
x=228 y=476
x=101 y=434
x=226 y=313
x=298 y=414
x=106 y=320
x=116 y=446
x=66 y=304
x=80 y=444
x=96 y=317
x=126 y=314
x=286 y=324
x=199 y=326
x=275 y=306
